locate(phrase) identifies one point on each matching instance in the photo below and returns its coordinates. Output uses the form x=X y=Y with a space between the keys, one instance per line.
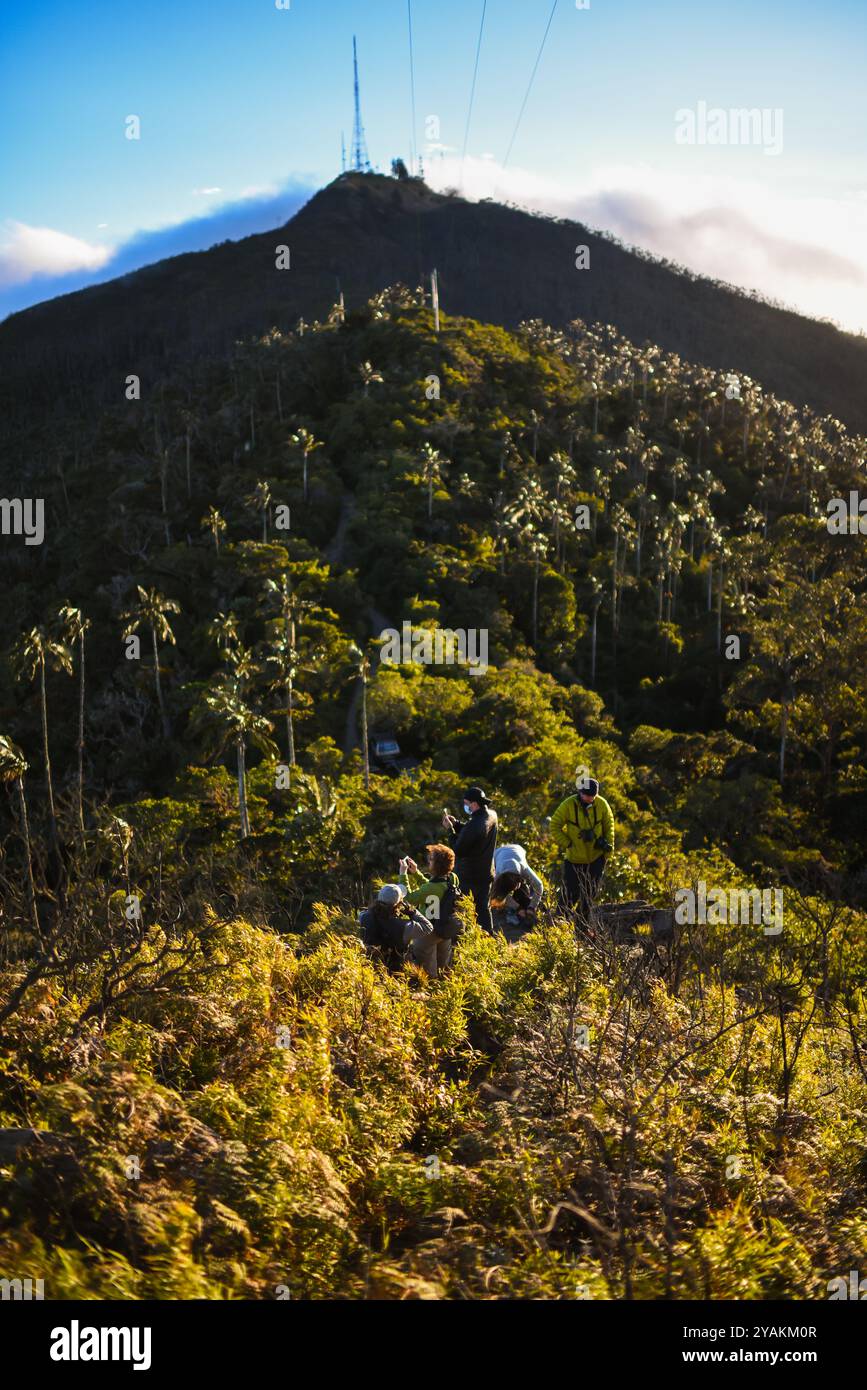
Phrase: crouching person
x=517 y=889
x=436 y=896
x=392 y=930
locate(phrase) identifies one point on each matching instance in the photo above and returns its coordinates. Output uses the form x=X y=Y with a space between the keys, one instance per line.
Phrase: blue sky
x=242 y=106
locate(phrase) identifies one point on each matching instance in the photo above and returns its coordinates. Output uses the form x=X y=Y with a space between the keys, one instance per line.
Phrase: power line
x=473 y=88
x=412 y=145
x=530 y=83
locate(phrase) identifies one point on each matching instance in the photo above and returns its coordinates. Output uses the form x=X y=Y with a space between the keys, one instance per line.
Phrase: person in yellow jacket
x=583 y=827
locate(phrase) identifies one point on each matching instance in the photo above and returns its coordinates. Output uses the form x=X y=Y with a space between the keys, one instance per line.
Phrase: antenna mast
x=360 y=157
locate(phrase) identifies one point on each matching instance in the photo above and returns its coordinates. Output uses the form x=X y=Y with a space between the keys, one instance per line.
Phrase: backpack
x=449 y=925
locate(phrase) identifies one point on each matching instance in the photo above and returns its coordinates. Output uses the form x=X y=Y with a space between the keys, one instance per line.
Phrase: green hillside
x=206 y=1088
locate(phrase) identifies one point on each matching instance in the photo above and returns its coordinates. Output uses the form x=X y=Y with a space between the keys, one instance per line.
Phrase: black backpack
x=449 y=925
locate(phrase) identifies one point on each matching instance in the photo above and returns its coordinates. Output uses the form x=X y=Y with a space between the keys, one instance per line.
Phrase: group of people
x=418 y=917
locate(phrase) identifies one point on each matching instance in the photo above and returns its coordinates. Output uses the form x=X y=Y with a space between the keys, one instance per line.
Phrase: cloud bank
x=808 y=251
x=38 y=263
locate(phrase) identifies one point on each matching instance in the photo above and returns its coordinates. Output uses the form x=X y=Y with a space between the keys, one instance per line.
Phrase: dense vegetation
x=205 y=1087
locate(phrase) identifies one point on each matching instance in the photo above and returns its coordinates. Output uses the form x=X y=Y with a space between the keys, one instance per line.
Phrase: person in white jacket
x=516 y=888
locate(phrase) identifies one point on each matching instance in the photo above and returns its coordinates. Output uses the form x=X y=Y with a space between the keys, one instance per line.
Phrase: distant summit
x=495 y=263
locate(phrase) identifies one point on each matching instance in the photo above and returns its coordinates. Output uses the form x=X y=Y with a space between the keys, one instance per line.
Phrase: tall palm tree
x=215 y=522
x=224 y=633
x=432 y=460
x=308 y=445
x=152 y=611
x=34 y=651
x=369 y=376
x=13 y=766
x=361 y=672
x=284 y=650
x=75 y=626
x=228 y=721
x=259 y=500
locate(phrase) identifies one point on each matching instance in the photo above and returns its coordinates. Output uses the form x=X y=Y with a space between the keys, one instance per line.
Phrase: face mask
x=468 y=810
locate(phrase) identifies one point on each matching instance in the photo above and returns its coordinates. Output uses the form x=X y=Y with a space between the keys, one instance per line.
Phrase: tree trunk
x=290 y=727
x=535 y=603
x=189 y=475
x=593 y=645
x=163 y=716
x=81 y=734
x=49 y=786
x=25 y=831
x=305 y=476
x=364 y=730
x=784 y=734
x=242 y=790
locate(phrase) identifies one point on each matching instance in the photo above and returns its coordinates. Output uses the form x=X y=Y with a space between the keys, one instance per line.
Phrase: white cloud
x=805 y=249
x=206 y=192
x=28 y=252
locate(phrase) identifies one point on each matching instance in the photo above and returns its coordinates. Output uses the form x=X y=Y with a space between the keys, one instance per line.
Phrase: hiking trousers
x=432 y=954
x=581 y=885
x=481 y=895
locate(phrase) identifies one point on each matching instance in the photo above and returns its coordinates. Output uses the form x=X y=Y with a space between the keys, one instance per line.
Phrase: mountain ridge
x=496 y=263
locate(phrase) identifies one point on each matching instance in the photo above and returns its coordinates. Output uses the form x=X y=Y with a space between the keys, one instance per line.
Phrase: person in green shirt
x=435 y=897
x=583 y=828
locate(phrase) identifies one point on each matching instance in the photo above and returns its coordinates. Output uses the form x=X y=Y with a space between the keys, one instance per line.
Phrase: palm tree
x=227 y=721
x=260 y=501
x=223 y=632
x=75 y=626
x=215 y=522
x=152 y=611
x=285 y=649
x=369 y=376
x=13 y=766
x=32 y=653
x=433 y=461
x=361 y=671
x=308 y=445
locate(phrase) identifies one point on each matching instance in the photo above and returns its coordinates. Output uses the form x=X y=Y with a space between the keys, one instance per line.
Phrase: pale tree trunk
x=49 y=785
x=81 y=734
x=593 y=644
x=160 y=702
x=536 y=602
x=290 y=727
x=364 y=729
x=242 y=790
x=25 y=831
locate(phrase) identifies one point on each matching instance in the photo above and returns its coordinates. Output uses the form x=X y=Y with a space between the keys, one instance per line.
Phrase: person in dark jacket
x=474 y=841
x=389 y=929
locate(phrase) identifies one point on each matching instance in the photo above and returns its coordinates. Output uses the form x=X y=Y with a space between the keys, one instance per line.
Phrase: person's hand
x=411 y=865
x=448 y=821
